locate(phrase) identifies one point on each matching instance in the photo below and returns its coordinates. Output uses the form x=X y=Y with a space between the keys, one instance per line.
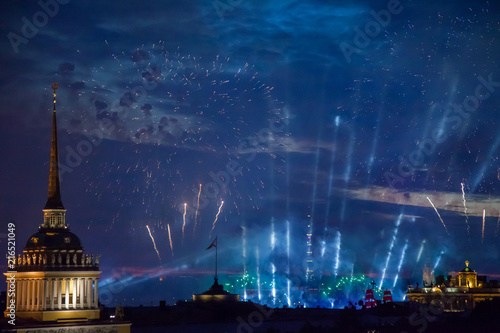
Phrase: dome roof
x=467 y=269
x=53 y=239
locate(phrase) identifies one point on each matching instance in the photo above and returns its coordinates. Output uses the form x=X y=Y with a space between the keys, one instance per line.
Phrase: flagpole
x=216 y=260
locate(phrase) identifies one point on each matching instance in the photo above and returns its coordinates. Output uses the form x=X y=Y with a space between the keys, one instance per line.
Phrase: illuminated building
x=428 y=275
x=216 y=293
x=461 y=291
x=55 y=281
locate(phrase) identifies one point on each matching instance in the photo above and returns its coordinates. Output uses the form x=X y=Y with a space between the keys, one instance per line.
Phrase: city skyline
x=255 y=123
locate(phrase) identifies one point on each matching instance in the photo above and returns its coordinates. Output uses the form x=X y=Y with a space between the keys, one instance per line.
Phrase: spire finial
x=54 y=194
x=55 y=86
x=466 y=263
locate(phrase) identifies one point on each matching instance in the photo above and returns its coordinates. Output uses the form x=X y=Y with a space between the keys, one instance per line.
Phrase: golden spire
x=54 y=194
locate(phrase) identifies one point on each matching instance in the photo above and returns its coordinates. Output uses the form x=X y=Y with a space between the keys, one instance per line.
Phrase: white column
x=21 y=291
x=18 y=295
x=89 y=293
x=42 y=294
x=84 y=293
x=52 y=293
x=74 y=293
x=59 y=292
x=25 y=294
x=66 y=299
x=38 y=300
x=8 y=297
x=32 y=301
x=16 y=290
x=80 y=285
x=45 y=303
x=37 y=294
x=96 y=302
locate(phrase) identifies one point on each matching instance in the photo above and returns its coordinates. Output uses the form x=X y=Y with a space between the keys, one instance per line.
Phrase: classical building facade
x=461 y=291
x=55 y=281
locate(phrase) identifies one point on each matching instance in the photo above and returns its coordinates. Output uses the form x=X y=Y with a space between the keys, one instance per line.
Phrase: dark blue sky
x=348 y=117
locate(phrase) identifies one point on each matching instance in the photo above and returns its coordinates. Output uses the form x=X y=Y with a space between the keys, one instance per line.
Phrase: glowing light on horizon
x=154 y=243
x=465 y=210
x=444 y=225
x=170 y=239
x=216 y=218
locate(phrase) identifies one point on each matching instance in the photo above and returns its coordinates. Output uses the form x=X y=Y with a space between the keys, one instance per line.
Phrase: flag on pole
x=214 y=244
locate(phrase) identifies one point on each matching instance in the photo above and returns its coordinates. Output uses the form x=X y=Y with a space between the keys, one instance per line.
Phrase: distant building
x=216 y=293
x=428 y=276
x=459 y=292
x=53 y=280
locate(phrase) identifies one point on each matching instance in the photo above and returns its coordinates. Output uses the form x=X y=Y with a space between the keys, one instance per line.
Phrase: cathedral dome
x=53 y=239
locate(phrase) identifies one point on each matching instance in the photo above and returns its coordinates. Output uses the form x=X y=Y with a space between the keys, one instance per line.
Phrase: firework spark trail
x=465 y=210
x=184 y=221
x=154 y=243
x=444 y=225
x=216 y=218
x=484 y=220
x=170 y=239
x=197 y=209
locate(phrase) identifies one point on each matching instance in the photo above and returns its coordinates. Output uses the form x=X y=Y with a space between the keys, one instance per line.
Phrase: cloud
x=449 y=201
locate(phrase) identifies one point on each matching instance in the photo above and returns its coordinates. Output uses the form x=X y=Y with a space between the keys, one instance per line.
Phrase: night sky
x=345 y=121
